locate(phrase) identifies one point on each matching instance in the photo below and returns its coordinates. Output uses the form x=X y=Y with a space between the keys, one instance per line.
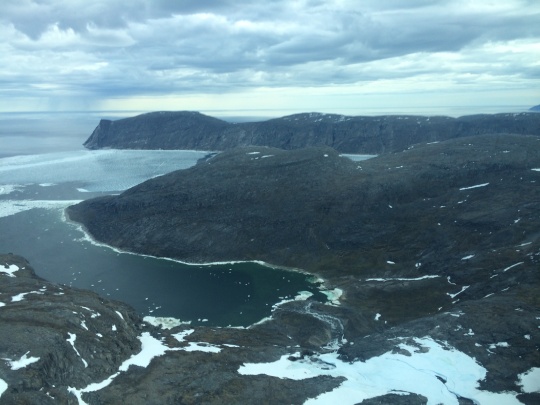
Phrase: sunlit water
x=35 y=189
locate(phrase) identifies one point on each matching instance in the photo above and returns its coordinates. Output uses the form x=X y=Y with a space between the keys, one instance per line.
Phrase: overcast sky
x=344 y=56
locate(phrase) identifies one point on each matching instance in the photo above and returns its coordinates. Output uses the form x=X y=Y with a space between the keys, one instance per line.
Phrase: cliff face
x=372 y=135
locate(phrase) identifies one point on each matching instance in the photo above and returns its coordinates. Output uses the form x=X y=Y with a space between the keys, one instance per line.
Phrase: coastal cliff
x=346 y=134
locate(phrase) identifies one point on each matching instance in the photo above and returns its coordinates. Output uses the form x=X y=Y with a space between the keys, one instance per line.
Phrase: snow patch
x=467 y=257
x=471 y=187
x=402 y=278
x=71 y=340
x=419 y=372
x=22 y=362
x=9 y=270
x=459 y=292
x=530 y=380
x=512 y=266
x=3 y=386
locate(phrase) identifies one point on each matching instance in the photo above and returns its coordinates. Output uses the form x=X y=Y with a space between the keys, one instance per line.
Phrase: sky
x=338 y=56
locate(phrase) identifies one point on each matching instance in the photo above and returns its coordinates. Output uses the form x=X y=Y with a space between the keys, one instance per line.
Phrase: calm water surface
x=33 y=193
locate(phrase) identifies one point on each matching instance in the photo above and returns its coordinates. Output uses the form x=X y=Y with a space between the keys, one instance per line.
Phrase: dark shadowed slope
x=372 y=135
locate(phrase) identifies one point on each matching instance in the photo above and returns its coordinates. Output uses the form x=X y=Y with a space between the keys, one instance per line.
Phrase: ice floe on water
x=426 y=367
x=165 y=322
x=8 y=188
x=12 y=207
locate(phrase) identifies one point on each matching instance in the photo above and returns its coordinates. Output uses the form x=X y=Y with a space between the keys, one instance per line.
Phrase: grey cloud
x=107 y=48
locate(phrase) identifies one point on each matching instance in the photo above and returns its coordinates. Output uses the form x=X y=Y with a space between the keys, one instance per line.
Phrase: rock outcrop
x=346 y=134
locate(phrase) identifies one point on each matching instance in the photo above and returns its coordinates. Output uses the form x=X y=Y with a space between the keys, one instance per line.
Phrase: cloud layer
x=62 y=54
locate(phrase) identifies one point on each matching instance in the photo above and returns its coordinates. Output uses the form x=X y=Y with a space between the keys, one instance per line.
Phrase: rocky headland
x=345 y=134
x=436 y=249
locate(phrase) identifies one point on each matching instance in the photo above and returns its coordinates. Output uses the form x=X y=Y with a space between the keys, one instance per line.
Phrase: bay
x=35 y=189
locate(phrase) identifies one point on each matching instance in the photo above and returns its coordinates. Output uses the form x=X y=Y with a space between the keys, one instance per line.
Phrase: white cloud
x=146 y=50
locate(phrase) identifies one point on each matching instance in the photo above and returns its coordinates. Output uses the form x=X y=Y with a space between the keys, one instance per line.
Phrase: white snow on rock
x=119 y=314
x=536 y=170
x=530 y=380
x=512 y=266
x=377 y=316
x=459 y=292
x=22 y=362
x=417 y=373
x=471 y=187
x=3 y=386
x=467 y=257
x=151 y=347
x=71 y=340
x=20 y=297
x=9 y=270
x=402 y=278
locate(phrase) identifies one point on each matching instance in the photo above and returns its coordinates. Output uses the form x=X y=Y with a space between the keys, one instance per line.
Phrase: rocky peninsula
x=346 y=134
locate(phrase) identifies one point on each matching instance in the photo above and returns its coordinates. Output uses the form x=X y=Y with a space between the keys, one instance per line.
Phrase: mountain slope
x=372 y=135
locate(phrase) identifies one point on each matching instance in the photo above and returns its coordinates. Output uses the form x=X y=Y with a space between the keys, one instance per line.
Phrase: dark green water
x=237 y=294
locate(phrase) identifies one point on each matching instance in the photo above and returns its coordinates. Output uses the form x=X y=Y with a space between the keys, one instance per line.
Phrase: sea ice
x=459 y=292
x=12 y=207
x=402 y=278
